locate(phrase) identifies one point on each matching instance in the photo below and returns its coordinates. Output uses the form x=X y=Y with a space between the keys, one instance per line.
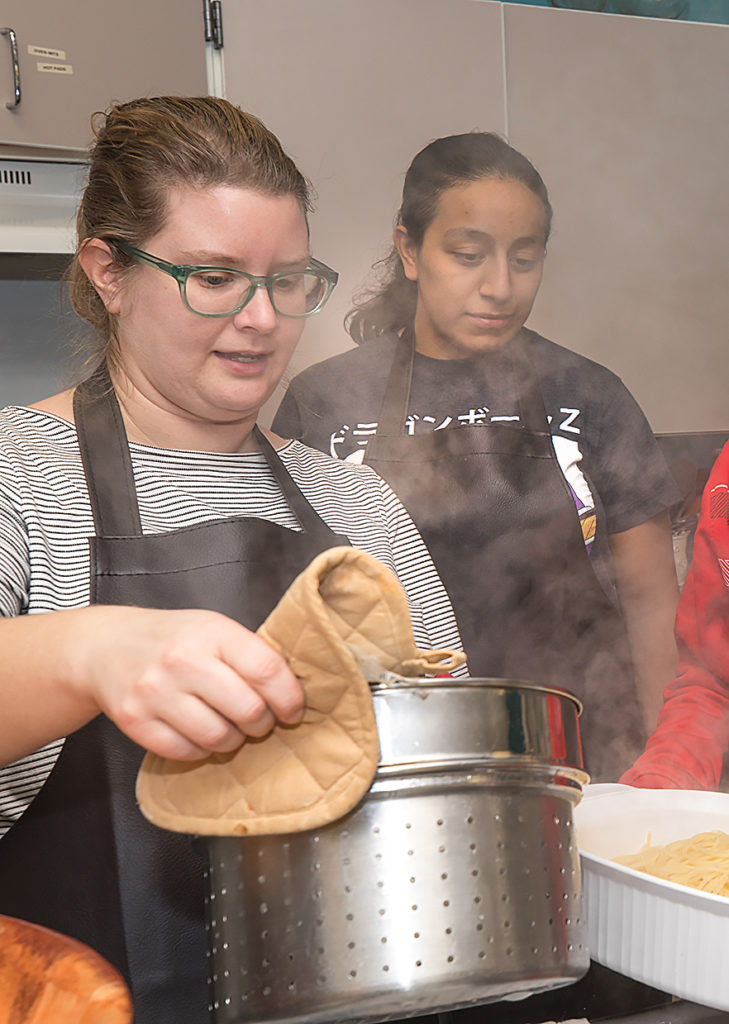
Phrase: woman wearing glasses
x=530 y=471
x=150 y=493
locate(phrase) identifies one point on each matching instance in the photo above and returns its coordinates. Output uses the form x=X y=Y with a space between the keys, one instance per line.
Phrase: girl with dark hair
x=530 y=471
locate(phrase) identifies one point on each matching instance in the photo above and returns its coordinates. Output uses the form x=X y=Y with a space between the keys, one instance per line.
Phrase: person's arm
x=182 y=684
x=687 y=749
x=648 y=591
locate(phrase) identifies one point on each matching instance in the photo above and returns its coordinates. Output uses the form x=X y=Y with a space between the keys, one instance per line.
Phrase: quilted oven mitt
x=345 y=615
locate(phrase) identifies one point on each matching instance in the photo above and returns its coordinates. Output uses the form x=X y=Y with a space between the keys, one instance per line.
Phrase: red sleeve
x=687 y=748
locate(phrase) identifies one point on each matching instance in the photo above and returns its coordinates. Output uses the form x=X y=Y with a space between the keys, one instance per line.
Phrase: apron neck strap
x=107 y=464
x=309 y=519
x=102 y=440
x=532 y=414
x=396 y=399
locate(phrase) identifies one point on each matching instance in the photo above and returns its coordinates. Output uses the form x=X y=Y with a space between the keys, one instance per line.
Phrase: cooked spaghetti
x=701 y=862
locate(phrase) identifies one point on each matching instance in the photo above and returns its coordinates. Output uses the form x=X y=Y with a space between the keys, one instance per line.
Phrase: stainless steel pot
x=454 y=881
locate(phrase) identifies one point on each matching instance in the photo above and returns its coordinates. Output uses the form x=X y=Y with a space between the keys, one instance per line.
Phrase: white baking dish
x=655 y=931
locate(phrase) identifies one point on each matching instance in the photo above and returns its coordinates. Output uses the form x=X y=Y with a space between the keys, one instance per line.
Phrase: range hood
x=38 y=202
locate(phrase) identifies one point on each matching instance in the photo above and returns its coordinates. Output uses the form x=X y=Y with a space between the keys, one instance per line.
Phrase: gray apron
x=501 y=524
x=82 y=859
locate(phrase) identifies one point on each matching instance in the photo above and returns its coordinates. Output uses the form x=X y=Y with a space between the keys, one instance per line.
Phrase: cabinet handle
x=16 y=65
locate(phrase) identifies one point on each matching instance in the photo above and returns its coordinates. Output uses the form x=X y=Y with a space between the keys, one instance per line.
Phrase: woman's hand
x=183 y=684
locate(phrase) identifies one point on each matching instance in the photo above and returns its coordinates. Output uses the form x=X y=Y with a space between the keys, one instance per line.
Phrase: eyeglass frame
x=181 y=273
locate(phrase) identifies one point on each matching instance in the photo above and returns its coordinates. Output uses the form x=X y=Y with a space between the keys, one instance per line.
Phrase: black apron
x=501 y=524
x=82 y=859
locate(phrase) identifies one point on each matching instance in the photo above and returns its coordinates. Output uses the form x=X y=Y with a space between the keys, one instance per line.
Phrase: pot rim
x=397 y=682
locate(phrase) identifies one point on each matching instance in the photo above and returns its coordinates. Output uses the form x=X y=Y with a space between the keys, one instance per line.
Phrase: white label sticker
x=56 y=69
x=46 y=51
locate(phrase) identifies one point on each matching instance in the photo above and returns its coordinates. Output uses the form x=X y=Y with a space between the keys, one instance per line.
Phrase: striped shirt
x=46 y=521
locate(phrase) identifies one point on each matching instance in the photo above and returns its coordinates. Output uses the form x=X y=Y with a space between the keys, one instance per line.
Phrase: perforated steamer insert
x=455 y=881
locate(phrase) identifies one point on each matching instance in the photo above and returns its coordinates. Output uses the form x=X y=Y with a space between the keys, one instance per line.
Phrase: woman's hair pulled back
x=441 y=165
x=146 y=147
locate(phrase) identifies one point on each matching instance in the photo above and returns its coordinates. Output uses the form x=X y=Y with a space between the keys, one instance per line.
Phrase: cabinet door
x=76 y=58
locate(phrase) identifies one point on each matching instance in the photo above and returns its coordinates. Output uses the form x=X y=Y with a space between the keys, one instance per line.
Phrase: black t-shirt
x=602 y=439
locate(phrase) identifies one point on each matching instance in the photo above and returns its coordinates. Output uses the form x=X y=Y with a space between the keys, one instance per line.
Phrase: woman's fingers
x=160 y=738
x=220 y=711
x=268 y=675
x=242 y=678
x=187 y=684
x=190 y=729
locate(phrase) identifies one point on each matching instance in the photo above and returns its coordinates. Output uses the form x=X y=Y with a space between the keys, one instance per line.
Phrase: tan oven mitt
x=346 y=611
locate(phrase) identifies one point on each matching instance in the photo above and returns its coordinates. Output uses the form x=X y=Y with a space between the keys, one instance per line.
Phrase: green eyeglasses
x=222 y=291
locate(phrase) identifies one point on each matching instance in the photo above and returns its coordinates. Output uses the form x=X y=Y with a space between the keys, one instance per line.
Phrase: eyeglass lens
x=221 y=292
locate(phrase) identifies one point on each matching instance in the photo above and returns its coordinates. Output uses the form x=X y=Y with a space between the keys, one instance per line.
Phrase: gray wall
x=627 y=119
x=35 y=331
x=631 y=133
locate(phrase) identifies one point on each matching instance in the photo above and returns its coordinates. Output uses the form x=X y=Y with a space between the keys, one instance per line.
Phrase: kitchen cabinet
x=76 y=58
